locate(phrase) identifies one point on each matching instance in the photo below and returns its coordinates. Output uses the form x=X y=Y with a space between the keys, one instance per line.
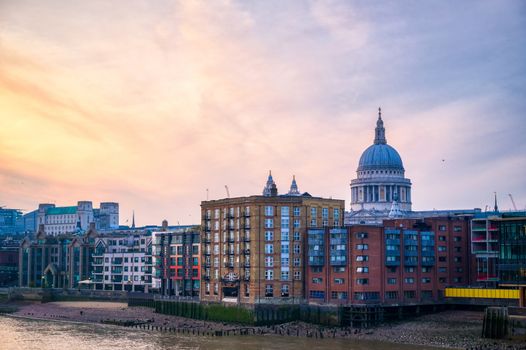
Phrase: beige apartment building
x=254 y=247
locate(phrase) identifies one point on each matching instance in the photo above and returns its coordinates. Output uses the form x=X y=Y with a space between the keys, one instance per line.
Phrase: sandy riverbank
x=450 y=329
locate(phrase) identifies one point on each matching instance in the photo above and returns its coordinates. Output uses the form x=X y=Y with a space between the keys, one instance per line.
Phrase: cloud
x=150 y=104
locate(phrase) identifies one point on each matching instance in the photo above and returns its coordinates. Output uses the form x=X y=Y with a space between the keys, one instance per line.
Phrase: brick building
x=403 y=261
x=254 y=247
x=176 y=260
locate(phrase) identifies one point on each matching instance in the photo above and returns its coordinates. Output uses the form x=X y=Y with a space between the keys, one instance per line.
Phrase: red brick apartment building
x=403 y=261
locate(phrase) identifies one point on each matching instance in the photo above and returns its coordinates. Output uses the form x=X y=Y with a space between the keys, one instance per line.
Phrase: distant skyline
x=151 y=103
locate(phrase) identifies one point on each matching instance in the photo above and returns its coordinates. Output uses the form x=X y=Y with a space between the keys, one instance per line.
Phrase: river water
x=24 y=334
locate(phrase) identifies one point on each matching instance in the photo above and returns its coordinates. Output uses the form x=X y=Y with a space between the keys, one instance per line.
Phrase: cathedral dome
x=380 y=156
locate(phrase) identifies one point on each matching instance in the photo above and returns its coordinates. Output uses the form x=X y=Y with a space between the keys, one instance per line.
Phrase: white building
x=123 y=261
x=59 y=220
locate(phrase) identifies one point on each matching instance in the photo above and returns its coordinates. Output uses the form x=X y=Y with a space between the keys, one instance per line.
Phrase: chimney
x=165 y=225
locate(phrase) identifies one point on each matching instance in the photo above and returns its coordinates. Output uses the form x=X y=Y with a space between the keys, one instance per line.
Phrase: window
x=390 y=247
x=284 y=211
x=285 y=247
x=296 y=211
x=362 y=281
x=391 y=269
x=427 y=294
x=269 y=249
x=297 y=262
x=269 y=275
x=366 y=295
x=362 y=246
x=284 y=235
x=441 y=227
x=457 y=229
x=339 y=281
x=442 y=280
x=362 y=269
x=325 y=213
x=442 y=258
x=391 y=281
x=284 y=261
x=361 y=235
x=338 y=269
x=284 y=275
x=339 y=295
x=313 y=222
x=269 y=290
x=442 y=269
x=296 y=236
x=426 y=269
x=391 y=295
x=284 y=290
x=362 y=257
x=457 y=239
x=442 y=238
x=442 y=248
x=269 y=236
x=269 y=223
x=458 y=249
x=409 y=280
x=285 y=222
x=459 y=269
x=269 y=210
x=457 y=280
x=269 y=261
x=313 y=211
x=315 y=294
x=458 y=259
x=297 y=275
x=409 y=294
x=297 y=249
x=317 y=280
x=426 y=280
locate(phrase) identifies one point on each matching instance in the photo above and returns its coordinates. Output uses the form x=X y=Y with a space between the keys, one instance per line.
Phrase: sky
x=151 y=103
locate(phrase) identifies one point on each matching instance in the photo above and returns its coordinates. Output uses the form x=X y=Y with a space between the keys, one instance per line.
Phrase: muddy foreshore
x=449 y=329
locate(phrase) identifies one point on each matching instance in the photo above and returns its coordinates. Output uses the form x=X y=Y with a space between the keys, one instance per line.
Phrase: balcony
x=229 y=264
x=246 y=251
x=230 y=239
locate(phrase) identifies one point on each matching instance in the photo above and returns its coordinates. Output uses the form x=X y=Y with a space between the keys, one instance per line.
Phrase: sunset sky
x=150 y=103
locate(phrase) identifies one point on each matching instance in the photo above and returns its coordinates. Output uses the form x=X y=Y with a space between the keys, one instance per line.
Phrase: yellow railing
x=482 y=293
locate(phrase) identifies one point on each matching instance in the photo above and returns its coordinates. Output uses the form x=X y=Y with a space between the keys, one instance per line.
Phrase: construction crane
x=227 y=192
x=512 y=202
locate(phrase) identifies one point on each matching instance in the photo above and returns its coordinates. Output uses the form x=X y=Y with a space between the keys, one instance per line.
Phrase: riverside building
x=403 y=261
x=498 y=243
x=56 y=261
x=254 y=248
x=122 y=261
x=176 y=261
